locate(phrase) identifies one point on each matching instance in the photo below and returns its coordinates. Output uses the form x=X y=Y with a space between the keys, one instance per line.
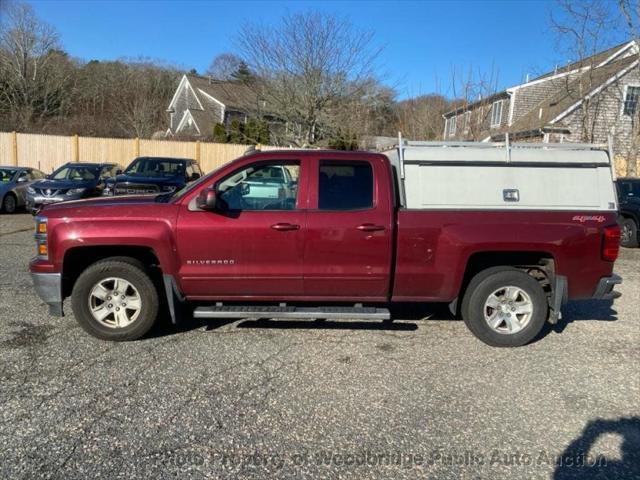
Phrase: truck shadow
x=404 y=318
x=586 y=310
x=579 y=461
x=187 y=322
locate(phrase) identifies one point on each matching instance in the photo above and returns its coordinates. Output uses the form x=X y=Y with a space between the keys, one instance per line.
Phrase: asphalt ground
x=417 y=398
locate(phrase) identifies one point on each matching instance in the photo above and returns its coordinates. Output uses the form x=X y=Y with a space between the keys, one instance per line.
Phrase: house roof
x=558 y=105
x=204 y=119
x=234 y=95
x=483 y=101
x=610 y=56
x=591 y=61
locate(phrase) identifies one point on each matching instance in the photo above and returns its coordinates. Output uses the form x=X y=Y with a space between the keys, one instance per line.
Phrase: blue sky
x=424 y=41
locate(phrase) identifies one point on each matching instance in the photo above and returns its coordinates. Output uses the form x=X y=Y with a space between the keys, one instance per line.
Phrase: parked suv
x=14 y=182
x=629 y=204
x=153 y=175
x=71 y=181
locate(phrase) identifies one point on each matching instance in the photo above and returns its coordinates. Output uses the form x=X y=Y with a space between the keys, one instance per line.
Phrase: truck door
x=348 y=246
x=252 y=245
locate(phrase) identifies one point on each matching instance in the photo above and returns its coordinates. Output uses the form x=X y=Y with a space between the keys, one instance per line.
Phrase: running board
x=314 y=313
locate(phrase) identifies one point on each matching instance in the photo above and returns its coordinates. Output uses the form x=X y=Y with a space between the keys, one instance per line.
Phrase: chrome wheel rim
x=114 y=302
x=625 y=234
x=508 y=310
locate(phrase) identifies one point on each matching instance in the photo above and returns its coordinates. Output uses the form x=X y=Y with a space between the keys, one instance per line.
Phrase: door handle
x=283 y=227
x=370 y=227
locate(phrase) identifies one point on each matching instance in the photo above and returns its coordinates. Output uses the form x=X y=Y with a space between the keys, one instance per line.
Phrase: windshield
x=6 y=174
x=165 y=197
x=75 y=173
x=629 y=189
x=155 y=167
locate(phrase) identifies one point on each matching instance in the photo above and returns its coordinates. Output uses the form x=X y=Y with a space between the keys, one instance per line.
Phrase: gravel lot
x=414 y=399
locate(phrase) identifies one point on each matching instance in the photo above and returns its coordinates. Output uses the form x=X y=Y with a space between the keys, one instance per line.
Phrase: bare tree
x=141 y=103
x=309 y=65
x=420 y=118
x=224 y=66
x=34 y=72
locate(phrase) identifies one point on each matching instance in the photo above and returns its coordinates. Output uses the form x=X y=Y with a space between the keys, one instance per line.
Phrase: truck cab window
x=264 y=186
x=345 y=185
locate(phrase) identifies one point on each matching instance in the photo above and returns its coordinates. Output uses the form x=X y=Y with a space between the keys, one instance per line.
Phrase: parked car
x=71 y=181
x=504 y=235
x=629 y=204
x=14 y=182
x=154 y=175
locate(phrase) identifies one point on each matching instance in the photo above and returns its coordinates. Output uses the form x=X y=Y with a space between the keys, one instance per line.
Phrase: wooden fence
x=47 y=152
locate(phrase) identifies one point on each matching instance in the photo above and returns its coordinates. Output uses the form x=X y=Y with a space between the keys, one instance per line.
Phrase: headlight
x=168 y=188
x=31 y=190
x=75 y=191
x=41 y=238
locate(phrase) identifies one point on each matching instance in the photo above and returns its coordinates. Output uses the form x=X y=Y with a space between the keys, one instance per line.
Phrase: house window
x=496 y=113
x=631 y=100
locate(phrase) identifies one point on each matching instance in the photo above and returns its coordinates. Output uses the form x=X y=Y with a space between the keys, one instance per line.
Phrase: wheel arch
x=635 y=216
x=540 y=264
x=77 y=259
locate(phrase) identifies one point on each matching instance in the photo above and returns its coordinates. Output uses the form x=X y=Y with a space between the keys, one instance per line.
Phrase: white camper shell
x=504 y=176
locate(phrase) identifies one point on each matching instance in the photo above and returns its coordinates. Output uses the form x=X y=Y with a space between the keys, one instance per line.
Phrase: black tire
x=491 y=280
x=628 y=233
x=133 y=272
x=9 y=203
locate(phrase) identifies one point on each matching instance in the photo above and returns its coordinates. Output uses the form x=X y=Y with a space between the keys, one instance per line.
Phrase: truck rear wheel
x=114 y=299
x=628 y=233
x=504 y=307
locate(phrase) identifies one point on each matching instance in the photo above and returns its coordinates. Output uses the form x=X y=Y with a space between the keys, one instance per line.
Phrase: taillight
x=611 y=243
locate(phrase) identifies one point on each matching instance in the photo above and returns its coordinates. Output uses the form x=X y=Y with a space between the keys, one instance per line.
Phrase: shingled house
x=199 y=103
x=584 y=101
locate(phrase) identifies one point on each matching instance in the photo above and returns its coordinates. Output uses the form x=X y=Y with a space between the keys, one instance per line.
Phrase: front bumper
x=605 y=290
x=49 y=288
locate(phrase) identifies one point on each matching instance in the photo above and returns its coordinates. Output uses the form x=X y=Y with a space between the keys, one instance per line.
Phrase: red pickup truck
x=494 y=230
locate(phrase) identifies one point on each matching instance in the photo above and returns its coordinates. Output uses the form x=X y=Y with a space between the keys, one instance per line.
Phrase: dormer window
x=496 y=114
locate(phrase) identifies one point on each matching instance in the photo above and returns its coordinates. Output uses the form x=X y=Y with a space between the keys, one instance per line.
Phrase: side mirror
x=207 y=199
x=245 y=189
x=119 y=171
x=23 y=180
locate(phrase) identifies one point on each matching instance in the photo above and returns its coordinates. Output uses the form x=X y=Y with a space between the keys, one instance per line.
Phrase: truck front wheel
x=114 y=299
x=504 y=307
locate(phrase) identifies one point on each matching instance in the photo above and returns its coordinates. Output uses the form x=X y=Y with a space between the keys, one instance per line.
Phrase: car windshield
x=155 y=167
x=76 y=173
x=630 y=189
x=165 y=197
x=6 y=174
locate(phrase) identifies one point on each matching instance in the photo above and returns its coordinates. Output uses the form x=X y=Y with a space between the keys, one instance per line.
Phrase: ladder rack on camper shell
x=484 y=153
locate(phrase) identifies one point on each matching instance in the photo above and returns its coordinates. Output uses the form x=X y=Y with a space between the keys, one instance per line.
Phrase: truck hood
x=63 y=184
x=89 y=203
x=173 y=181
